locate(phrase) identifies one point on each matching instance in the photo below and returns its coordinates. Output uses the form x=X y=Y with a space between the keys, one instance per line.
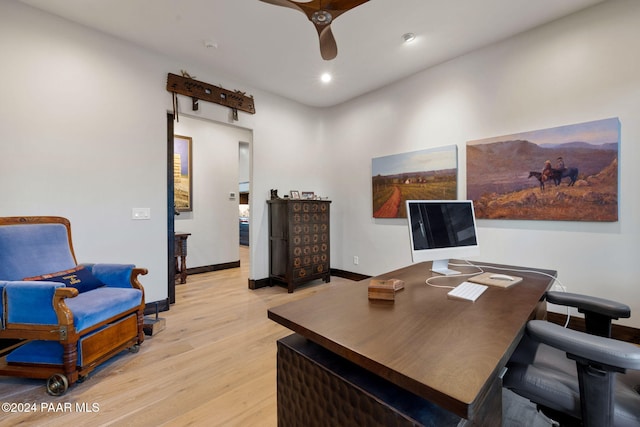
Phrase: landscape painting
x=418 y=175
x=182 y=176
x=567 y=173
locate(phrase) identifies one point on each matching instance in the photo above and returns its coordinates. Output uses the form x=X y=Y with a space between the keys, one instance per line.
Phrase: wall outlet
x=355 y=260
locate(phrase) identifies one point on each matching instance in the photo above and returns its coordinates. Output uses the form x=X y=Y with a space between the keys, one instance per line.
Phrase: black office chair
x=577 y=378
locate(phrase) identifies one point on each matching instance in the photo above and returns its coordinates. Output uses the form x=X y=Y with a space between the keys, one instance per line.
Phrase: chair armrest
x=606 y=351
x=22 y=298
x=65 y=316
x=134 y=278
x=584 y=303
x=113 y=275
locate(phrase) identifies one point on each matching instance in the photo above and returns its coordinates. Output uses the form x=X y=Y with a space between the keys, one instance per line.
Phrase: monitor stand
x=441 y=266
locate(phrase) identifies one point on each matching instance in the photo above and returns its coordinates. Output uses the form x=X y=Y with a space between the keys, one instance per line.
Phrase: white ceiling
x=276 y=49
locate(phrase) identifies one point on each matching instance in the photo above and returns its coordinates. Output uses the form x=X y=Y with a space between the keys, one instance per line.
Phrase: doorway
x=244 y=177
x=216 y=174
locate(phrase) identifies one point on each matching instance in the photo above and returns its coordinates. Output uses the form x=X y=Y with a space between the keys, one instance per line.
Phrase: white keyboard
x=467 y=291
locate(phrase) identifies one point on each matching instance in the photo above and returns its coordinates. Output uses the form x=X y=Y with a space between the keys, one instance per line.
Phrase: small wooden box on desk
x=298 y=241
x=384 y=290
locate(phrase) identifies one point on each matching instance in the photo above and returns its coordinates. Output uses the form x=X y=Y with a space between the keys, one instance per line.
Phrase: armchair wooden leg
x=70 y=360
x=140 y=326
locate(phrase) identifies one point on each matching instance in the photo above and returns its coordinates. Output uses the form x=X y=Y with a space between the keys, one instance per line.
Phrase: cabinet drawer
x=310 y=271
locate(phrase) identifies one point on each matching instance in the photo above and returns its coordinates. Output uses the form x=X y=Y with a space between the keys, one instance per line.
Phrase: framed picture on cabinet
x=294 y=194
x=308 y=195
x=182 y=174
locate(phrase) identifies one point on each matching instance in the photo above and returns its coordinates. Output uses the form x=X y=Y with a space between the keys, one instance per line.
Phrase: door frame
x=171 y=211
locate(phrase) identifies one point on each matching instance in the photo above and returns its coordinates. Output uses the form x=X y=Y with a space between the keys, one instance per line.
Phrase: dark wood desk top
x=447 y=351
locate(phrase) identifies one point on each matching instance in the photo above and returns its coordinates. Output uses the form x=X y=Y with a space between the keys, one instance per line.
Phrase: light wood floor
x=214 y=364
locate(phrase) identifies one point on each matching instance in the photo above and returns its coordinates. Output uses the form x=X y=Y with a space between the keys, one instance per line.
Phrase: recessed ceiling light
x=210 y=44
x=326 y=78
x=408 y=37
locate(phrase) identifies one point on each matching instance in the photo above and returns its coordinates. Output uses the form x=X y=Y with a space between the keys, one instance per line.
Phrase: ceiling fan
x=321 y=14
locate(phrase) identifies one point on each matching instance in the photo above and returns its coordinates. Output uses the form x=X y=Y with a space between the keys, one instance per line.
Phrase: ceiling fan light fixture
x=408 y=37
x=321 y=17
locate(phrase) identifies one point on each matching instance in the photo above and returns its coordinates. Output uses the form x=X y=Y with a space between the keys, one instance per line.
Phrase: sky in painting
x=416 y=161
x=596 y=132
x=181 y=146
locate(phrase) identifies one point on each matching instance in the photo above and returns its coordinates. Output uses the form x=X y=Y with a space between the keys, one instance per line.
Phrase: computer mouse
x=501 y=277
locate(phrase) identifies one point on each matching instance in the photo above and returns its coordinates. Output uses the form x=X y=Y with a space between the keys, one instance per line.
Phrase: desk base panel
x=319 y=388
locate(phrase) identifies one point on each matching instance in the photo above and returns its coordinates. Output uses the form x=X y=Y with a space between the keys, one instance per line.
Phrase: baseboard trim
x=619 y=332
x=258 y=283
x=356 y=277
x=156 y=307
x=215 y=267
x=349 y=275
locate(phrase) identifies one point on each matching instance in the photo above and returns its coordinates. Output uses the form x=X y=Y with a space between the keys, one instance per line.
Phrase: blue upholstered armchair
x=68 y=317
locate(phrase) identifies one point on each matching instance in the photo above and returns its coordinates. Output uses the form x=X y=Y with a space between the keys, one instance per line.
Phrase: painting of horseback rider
x=546 y=171
x=575 y=169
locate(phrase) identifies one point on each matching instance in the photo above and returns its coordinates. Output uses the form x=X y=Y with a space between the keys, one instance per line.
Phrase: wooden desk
x=446 y=351
x=180 y=240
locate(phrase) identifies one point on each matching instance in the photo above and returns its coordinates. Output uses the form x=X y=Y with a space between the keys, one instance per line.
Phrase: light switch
x=232 y=195
x=141 y=213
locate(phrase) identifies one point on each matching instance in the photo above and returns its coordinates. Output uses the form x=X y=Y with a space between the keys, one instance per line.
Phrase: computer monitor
x=442 y=229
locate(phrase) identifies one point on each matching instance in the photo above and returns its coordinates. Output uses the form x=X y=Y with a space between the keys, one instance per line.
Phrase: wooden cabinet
x=298 y=241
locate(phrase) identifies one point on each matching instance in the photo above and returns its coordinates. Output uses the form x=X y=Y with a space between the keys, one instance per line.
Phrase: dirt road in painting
x=390 y=207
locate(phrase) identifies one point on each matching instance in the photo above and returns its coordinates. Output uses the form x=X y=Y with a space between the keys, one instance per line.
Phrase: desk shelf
x=352 y=395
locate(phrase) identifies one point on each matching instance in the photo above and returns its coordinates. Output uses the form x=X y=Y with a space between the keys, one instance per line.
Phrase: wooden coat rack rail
x=198 y=90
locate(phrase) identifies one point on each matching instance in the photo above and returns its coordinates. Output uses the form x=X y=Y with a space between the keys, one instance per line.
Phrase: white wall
x=581 y=68
x=80 y=118
x=290 y=152
x=83 y=121
x=84 y=136
x=213 y=222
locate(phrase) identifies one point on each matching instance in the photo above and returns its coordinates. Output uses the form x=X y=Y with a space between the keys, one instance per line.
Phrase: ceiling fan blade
x=283 y=3
x=342 y=5
x=328 y=46
x=328 y=11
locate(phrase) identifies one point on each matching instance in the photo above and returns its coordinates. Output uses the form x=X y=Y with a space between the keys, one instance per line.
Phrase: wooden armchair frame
x=98 y=343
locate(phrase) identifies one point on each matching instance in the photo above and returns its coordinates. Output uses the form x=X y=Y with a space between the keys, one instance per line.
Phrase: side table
x=180 y=240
